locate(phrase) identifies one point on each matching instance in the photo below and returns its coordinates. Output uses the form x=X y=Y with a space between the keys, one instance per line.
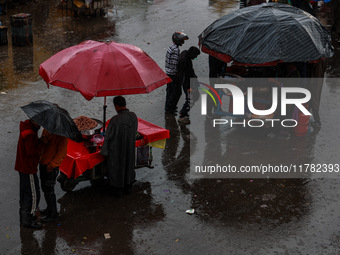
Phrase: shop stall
x=84 y=161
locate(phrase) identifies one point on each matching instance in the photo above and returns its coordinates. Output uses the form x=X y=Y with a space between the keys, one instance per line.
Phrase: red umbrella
x=100 y=69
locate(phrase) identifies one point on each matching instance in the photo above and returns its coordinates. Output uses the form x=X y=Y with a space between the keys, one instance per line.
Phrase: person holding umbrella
x=57 y=121
x=53 y=154
x=27 y=158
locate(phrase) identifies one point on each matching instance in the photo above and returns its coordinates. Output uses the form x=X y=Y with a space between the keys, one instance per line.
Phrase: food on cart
x=85 y=123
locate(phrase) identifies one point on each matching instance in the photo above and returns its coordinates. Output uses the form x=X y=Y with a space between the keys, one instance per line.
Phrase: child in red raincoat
x=28 y=154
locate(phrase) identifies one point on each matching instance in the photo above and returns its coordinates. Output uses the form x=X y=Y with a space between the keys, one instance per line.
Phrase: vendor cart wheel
x=98 y=174
x=98 y=182
x=66 y=184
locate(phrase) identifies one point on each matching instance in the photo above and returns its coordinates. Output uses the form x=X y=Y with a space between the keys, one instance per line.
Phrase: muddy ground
x=233 y=216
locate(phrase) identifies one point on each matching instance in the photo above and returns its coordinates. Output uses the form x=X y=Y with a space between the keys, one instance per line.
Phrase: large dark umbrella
x=266 y=33
x=53 y=118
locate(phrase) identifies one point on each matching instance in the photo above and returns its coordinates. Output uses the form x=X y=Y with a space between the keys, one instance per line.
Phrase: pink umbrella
x=100 y=69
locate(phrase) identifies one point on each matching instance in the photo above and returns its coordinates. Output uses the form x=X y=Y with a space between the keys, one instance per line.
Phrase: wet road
x=233 y=216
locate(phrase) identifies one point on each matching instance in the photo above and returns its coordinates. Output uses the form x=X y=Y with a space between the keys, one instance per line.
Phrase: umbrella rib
x=251 y=20
x=311 y=37
x=97 y=82
x=84 y=68
x=71 y=58
x=123 y=53
x=130 y=88
x=140 y=78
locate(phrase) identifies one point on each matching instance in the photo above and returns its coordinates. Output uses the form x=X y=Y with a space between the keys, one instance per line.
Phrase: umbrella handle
x=104 y=118
x=104 y=115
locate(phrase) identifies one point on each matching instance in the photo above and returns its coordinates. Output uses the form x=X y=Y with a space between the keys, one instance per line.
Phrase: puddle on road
x=231 y=215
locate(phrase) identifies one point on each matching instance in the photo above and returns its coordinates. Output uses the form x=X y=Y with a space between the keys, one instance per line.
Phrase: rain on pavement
x=232 y=216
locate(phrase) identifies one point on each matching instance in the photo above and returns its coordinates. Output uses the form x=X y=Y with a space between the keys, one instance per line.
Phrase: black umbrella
x=266 y=33
x=53 y=118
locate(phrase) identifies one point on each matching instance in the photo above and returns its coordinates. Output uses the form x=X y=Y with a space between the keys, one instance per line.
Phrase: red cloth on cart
x=79 y=159
x=150 y=132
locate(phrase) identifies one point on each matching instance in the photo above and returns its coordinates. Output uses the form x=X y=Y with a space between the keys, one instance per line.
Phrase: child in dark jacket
x=28 y=154
x=53 y=154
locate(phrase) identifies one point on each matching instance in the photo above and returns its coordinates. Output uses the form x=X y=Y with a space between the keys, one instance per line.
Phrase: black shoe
x=316 y=124
x=43 y=212
x=184 y=120
x=171 y=112
x=48 y=219
x=33 y=224
x=27 y=220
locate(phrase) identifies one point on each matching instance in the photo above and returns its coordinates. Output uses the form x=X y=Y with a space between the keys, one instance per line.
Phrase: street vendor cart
x=84 y=161
x=89 y=7
x=101 y=69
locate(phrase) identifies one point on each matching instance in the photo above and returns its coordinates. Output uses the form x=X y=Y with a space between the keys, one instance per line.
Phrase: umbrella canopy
x=266 y=33
x=99 y=69
x=53 y=118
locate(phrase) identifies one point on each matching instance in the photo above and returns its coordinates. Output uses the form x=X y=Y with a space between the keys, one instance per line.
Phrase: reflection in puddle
x=52 y=32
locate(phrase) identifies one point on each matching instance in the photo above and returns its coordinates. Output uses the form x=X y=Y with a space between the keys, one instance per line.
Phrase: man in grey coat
x=119 y=147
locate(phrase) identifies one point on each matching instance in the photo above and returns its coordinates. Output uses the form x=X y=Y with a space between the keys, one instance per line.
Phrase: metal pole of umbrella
x=104 y=117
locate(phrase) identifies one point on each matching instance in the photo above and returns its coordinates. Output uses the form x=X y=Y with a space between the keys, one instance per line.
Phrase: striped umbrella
x=266 y=34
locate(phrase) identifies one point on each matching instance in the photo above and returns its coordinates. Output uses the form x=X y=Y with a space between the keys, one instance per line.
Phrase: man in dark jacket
x=27 y=159
x=119 y=147
x=185 y=73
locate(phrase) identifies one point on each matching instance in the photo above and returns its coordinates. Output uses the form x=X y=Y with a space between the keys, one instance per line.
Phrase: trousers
x=29 y=192
x=48 y=181
x=173 y=93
